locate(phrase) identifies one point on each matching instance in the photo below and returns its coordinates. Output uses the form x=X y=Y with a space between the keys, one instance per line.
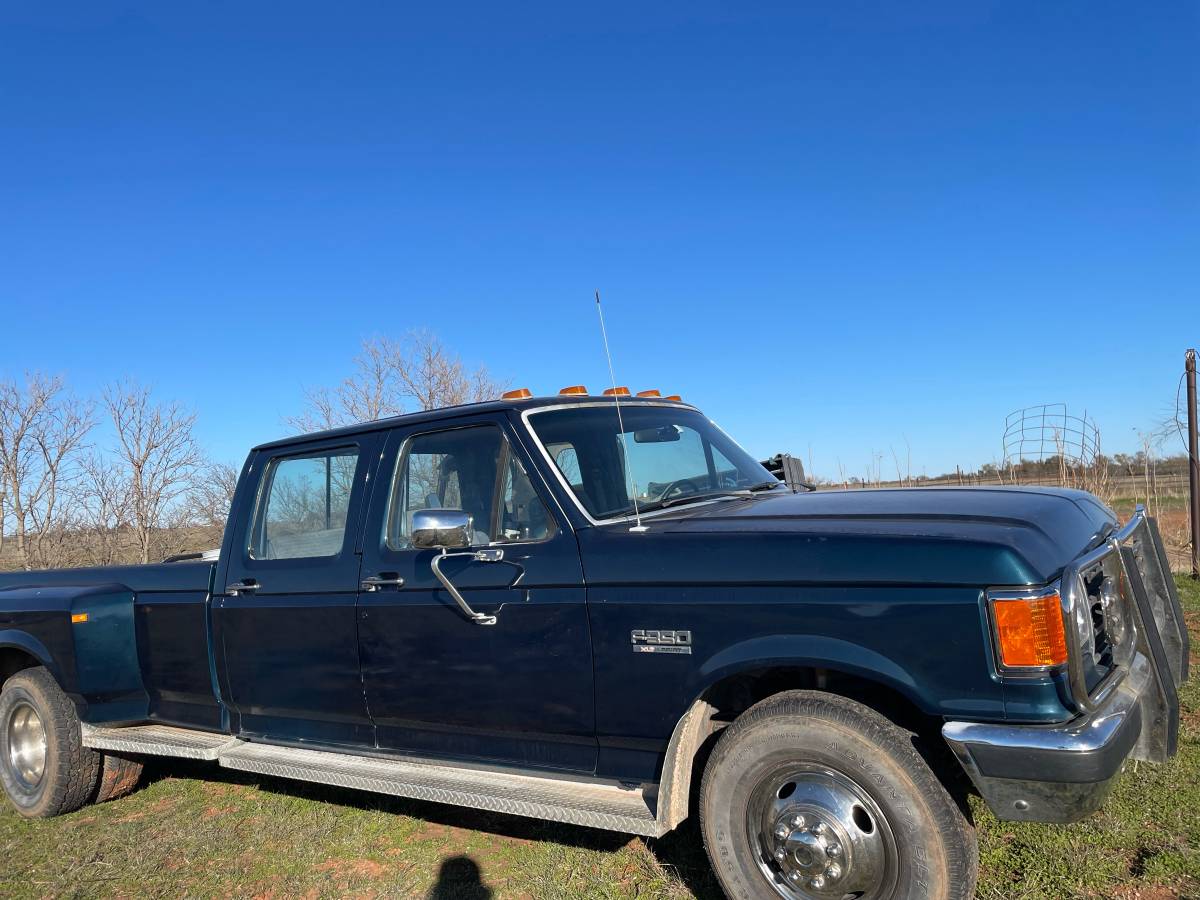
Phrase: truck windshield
x=673 y=455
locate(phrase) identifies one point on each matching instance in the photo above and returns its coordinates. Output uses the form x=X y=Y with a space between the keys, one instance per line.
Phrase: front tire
x=44 y=767
x=811 y=796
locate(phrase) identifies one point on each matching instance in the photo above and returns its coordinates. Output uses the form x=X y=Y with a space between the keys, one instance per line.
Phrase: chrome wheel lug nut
x=834 y=849
x=794 y=876
x=817 y=883
x=781 y=855
x=820 y=828
x=834 y=871
x=781 y=832
x=798 y=821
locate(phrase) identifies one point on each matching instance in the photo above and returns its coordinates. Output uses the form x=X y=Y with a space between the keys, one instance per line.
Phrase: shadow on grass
x=459 y=878
x=681 y=851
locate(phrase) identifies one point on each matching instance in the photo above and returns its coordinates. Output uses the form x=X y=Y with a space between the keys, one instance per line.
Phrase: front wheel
x=811 y=796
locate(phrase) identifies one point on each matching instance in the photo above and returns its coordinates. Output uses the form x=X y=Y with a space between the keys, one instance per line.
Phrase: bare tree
x=200 y=521
x=433 y=376
x=372 y=392
x=210 y=499
x=103 y=508
x=392 y=376
x=42 y=431
x=157 y=453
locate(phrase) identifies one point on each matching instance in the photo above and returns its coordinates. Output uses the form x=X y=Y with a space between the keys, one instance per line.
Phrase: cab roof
x=467 y=409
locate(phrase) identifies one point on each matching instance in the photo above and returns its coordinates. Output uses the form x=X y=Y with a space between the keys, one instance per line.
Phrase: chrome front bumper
x=1060 y=773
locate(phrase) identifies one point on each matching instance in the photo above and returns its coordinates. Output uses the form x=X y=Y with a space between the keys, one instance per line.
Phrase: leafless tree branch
x=158 y=453
x=42 y=432
x=392 y=376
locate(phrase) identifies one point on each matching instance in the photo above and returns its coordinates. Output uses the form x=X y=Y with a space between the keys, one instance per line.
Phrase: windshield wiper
x=764 y=486
x=692 y=498
x=741 y=493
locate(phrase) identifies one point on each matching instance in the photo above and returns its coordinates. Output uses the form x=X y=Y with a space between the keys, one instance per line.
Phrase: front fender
x=808 y=651
x=758 y=654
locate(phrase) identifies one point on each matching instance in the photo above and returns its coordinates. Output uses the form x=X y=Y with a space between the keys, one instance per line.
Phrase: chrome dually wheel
x=812 y=796
x=819 y=834
x=44 y=768
x=26 y=744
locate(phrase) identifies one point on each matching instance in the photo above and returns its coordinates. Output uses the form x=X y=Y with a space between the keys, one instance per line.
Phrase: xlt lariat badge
x=660 y=641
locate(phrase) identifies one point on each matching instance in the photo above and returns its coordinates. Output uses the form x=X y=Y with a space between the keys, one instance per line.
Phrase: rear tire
x=119 y=776
x=811 y=796
x=44 y=767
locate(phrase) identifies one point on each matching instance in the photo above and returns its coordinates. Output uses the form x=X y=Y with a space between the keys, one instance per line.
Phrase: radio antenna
x=620 y=423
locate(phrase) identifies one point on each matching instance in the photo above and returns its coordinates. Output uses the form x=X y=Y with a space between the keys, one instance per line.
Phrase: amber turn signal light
x=574 y=390
x=1029 y=631
x=616 y=392
x=518 y=394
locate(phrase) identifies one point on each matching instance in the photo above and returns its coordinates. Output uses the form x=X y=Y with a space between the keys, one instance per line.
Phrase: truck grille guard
x=1145 y=601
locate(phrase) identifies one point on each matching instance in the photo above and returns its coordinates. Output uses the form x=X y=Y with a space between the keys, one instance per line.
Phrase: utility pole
x=1189 y=365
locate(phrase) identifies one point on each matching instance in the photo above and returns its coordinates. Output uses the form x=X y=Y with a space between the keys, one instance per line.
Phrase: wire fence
x=1049 y=431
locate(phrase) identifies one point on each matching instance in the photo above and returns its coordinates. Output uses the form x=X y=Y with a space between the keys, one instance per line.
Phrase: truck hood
x=976 y=536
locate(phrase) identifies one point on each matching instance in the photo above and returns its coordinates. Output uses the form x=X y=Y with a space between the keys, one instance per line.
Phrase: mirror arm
x=490 y=555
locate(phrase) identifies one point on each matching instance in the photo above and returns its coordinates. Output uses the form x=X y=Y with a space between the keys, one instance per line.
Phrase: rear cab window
x=303 y=505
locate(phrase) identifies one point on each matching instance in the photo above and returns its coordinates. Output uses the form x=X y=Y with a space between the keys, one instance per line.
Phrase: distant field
x=199 y=831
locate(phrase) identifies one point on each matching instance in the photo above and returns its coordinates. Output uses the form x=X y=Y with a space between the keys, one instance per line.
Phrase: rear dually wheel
x=44 y=768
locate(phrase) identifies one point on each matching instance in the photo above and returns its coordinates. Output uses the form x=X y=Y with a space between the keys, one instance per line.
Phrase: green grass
x=197 y=830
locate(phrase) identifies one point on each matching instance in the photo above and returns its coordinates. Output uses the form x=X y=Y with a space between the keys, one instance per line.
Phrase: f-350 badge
x=647 y=640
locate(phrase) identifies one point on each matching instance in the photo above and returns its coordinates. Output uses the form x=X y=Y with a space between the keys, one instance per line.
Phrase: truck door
x=285 y=605
x=437 y=682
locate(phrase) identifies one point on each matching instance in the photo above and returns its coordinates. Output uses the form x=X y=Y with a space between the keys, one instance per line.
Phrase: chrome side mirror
x=441 y=529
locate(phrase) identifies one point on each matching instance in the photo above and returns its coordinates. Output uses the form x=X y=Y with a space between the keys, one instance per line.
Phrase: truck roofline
x=465 y=409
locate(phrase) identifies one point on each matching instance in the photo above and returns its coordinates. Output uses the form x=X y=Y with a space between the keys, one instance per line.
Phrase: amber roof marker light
x=616 y=392
x=575 y=390
x=649 y=393
x=517 y=394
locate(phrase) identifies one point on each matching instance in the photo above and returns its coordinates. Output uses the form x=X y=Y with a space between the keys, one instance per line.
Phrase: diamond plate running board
x=591 y=803
x=156 y=740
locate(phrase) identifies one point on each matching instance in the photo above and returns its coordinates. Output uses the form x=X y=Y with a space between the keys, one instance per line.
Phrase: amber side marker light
x=616 y=392
x=1029 y=631
x=78 y=618
x=574 y=390
x=518 y=394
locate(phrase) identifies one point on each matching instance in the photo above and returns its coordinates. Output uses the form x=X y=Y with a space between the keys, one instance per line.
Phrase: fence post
x=1193 y=459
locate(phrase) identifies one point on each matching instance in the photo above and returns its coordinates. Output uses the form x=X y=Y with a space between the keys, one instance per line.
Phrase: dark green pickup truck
x=541 y=607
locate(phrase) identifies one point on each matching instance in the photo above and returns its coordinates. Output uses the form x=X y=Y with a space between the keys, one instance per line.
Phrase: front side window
x=303 y=505
x=664 y=455
x=472 y=469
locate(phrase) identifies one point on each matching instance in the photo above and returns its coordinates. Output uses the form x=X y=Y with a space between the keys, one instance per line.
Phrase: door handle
x=492 y=554
x=382 y=580
x=240 y=587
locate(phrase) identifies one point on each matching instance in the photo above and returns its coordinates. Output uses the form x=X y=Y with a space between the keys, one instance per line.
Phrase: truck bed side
x=126 y=643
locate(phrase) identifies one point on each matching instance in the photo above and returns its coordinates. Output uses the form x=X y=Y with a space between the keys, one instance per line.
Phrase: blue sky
x=839 y=228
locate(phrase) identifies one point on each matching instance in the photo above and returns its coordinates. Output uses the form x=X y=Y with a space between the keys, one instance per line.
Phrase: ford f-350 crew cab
x=590 y=613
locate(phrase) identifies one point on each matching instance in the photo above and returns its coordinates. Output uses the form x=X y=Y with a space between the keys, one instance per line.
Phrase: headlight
x=1085 y=628
x=1115 y=609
